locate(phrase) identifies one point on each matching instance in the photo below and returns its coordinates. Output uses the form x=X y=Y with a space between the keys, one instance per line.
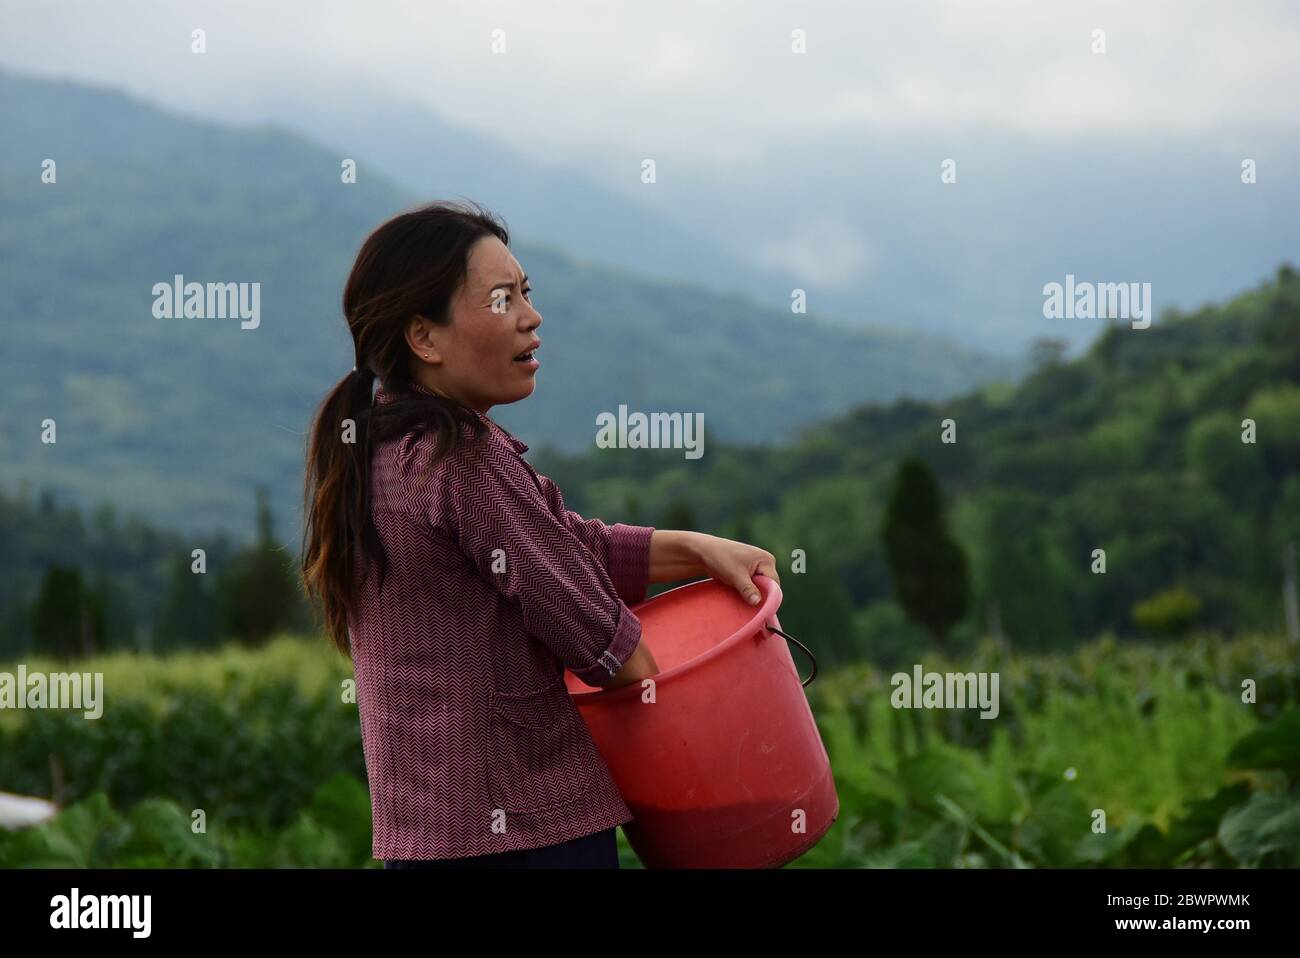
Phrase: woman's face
x=472 y=358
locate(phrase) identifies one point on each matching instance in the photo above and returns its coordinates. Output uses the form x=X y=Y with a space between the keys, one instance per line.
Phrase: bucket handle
x=807 y=651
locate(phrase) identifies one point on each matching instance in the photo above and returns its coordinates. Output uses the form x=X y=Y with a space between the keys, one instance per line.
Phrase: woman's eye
x=505 y=297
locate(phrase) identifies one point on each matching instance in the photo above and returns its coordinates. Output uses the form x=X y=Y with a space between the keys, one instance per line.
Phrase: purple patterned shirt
x=473 y=744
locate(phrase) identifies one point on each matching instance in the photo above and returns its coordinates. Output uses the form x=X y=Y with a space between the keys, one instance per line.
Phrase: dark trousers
x=598 y=850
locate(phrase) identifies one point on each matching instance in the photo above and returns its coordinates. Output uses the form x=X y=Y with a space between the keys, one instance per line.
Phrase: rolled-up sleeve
x=624 y=549
x=544 y=565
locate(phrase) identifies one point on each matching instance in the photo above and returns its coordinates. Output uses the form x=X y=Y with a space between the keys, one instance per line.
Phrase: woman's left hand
x=736 y=563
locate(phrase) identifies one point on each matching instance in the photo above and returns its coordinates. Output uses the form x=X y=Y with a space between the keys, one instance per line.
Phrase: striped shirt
x=472 y=742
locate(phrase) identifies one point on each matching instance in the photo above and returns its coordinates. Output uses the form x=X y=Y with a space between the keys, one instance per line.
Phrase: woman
x=453 y=575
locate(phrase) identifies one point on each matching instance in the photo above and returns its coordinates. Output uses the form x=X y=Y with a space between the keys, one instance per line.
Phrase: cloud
x=822 y=251
x=709 y=81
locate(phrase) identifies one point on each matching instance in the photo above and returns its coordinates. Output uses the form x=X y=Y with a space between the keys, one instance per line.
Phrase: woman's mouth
x=527 y=360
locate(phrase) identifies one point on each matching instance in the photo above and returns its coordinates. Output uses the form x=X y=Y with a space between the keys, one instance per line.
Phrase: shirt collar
x=384 y=396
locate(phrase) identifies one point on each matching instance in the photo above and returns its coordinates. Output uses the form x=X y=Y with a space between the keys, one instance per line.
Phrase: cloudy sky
x=712 y=79
x=817 y=170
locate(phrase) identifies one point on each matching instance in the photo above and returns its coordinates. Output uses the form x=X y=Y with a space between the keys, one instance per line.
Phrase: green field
x=263 y=750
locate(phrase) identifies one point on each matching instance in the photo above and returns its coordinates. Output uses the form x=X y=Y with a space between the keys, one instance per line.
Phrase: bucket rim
x=770 y=594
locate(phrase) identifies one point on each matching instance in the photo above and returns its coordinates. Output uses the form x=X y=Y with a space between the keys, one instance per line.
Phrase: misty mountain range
x=179 y=418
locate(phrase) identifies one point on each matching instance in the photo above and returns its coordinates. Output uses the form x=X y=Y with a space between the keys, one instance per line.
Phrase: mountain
x=178 y=419
x=425 y=153
x=865 y=224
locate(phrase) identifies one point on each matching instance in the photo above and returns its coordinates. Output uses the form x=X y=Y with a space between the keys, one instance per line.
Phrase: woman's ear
x=419 y=336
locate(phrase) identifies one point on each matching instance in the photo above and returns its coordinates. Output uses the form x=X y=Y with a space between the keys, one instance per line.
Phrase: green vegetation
x=265 y=744
x=146 y=589
x=1171 y=612
x=1135 y=448
x=1156 y=737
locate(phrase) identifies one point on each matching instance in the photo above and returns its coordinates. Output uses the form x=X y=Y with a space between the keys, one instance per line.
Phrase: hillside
x=178 y=419
x=1134 y=448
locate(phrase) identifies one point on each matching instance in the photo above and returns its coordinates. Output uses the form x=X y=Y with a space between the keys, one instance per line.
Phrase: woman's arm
x=681 y=554
x=674 y=555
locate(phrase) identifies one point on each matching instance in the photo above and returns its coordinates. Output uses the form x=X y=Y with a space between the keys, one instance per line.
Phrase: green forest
x=1135 y=448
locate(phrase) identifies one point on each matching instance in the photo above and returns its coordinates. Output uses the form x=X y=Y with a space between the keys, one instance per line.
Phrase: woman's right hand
x=735 y=564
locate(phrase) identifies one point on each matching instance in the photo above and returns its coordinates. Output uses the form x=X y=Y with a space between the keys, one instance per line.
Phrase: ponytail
x=335 y=493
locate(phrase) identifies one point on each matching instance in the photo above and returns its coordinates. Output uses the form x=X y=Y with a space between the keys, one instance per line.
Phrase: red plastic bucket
x=720 y=759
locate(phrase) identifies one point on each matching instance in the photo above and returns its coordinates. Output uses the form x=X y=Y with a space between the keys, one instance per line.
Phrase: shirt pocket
x=542 y=755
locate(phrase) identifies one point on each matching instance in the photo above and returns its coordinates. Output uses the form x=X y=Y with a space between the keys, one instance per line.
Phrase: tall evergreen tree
x=67 y=618
x=189 y=615
x=929 y=570
x=259 y=592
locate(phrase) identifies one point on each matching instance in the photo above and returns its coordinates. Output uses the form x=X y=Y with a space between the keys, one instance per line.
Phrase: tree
x=1282 y=318
x=118 y=619
x=189 y=615
x=67 y=618
x=680 y=515
x=742 y=529
x=1171 y=612
x=817 y=610
x=928 y=567
x=259 y=591
x=1026 y=565
x=1107 y=348
x=1234 y=469
x=1045 y=352
x=1276 y=410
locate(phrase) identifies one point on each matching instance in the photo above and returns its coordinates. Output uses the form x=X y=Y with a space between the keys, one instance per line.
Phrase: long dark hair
x=411 y=265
